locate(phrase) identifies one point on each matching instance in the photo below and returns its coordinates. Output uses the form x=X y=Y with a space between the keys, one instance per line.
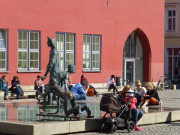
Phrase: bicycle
x=163 y=83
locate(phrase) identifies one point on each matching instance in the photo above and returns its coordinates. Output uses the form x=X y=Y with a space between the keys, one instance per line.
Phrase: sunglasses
x=138 y=85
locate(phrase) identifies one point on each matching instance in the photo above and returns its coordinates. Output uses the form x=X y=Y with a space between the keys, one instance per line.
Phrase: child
x=38 y=84
x=136 y=113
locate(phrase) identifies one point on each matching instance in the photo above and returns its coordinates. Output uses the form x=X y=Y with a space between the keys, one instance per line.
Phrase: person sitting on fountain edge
x=151 y=97
x=80 y=90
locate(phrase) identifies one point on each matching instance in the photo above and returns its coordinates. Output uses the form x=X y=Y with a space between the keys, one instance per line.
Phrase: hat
x=130 y=92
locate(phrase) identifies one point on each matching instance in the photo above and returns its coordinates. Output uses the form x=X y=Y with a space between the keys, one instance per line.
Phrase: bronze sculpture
x=54 y=91
x=63 y=97
x=53 y=65
x=54 y=68
x=62 y=77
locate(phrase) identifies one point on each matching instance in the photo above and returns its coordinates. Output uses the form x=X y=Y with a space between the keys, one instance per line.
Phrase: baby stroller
x=122 y=111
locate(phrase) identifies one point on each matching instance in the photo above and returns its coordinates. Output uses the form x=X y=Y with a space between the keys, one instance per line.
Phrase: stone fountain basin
x=15 y=123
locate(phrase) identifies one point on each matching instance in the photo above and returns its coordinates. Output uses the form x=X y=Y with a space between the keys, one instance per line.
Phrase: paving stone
x=154 y=129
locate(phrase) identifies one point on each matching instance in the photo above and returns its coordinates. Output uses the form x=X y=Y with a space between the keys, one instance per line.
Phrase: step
x=105 y=89
x=100 y=87
x=26 y=93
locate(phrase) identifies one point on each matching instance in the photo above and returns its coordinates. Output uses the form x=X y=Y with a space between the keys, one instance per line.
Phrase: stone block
x=93 y=124
x=85 y=125
x=163 y=117
x=148 y=118
x=77 y=126
x=51 y=128
x=175 y=115
x=1 y=95
x=16 y=128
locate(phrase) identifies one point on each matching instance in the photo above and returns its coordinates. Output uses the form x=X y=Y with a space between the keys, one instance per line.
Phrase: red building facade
x=102 y=37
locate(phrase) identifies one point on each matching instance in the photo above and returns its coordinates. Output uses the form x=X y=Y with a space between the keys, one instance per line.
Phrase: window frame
x=64 y=51
x=6 y=52
x=91 y=52
x=170 y=64
x=28 y=50
x=171 y=8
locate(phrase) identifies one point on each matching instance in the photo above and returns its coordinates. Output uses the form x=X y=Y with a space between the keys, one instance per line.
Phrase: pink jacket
x=132 y=103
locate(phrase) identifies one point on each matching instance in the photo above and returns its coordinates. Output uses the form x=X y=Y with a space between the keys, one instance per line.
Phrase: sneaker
x=137 y=128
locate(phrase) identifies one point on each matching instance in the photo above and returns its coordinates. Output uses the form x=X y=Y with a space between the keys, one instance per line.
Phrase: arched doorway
x=132 y=59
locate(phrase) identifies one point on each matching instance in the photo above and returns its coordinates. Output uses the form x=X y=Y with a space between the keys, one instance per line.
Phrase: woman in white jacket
x=140 y=91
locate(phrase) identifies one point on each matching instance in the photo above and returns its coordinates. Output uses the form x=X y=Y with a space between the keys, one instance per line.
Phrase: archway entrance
x=133 y=60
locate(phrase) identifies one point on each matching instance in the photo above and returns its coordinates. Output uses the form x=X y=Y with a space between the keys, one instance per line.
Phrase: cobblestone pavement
x=172 y=128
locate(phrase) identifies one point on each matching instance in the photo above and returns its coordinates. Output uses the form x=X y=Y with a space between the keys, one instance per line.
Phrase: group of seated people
x=81 y=90
x=15 y=86
x=143 y=96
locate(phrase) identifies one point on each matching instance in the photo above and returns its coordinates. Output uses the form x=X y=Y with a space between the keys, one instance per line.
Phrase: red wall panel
x=114 y=22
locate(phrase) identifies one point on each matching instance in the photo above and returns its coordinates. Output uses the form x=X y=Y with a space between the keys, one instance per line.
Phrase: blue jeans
x=138 y=97
x=5 y=89
x=81 y=97
x=136 y=114
x=18 y=91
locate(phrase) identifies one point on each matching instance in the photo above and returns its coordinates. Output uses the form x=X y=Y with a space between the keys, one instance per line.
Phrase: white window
x=66 y=49
x=28 y=50
x=3 y=50
x=91 y=52
x=171 y=19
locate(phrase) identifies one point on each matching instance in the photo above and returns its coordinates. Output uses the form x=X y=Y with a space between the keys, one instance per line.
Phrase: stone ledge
x=64 y=127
